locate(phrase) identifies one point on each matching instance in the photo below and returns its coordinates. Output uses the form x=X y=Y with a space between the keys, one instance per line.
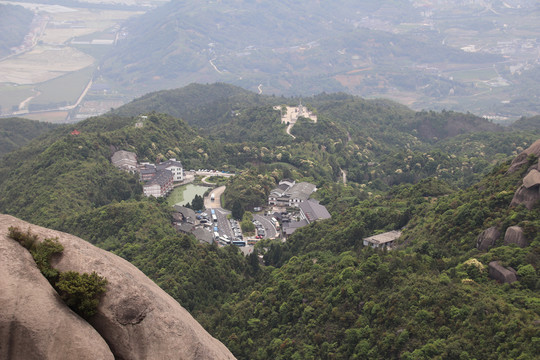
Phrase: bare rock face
x=514 y=235
x=532 y=179
x=135 y=316
x=487 y=238
x=500 y=273
x=34 y=322
x=528 y=197
x=522 y=157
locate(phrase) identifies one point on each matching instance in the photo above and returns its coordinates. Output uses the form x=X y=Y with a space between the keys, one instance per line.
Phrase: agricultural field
x=42 y=63
x=12 y=95
x=55 y=117
x=65 y=88
x=51 y=70
x=474 y=75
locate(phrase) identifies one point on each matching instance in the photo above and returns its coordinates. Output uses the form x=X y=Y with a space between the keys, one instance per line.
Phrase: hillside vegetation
x=15 y=132
x=14 y=25
x=439 y=177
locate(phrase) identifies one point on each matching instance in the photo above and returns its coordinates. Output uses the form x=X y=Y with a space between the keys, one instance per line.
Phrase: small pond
x=185 y=194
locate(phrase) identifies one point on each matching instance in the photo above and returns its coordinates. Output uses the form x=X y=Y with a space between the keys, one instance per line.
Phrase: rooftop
x=289 y=228
x=162 y=177
x=122 y=155
x=314 y=211
x=384 y=238
x=302 y=190
x=169 y=163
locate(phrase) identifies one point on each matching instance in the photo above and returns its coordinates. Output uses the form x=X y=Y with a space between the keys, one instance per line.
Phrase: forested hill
x=14 y=25
x=286 y=47
x=201 y=106
x=326 y=296
x=15 y=132
x=370 y=139
x=321 y=294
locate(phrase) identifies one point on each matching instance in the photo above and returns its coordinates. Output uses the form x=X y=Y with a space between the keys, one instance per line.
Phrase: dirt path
x=289 y=128
x=24 y=104
x=209 y=204
x=214 y=66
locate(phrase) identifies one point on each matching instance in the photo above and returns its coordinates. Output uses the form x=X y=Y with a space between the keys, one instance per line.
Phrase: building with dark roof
x=160 y=184
x=291 y=227
x=312 y=211
x=146 y=171
x=125 y=160
x=289 y=193
x=173 y=166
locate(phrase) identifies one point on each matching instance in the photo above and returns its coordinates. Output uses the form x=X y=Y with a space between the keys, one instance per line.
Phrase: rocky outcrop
x=500 y=273
x=487 y=238
x=522 y=158
x=34 y=322
x=136 y=317
x=532 y=179
x=514 y=235
x=528 y=193
x=528 y=197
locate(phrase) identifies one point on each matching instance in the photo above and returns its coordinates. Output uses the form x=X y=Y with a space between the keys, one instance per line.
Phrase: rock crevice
x=135 y=320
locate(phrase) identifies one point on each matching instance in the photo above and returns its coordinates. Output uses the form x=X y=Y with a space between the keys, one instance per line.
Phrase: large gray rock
x=487 y=238
x=34 y=322
x=136 y=317
x=522 y=158
x=514 y=235
x=500 y=273
x=528 y=197
x=532 y=179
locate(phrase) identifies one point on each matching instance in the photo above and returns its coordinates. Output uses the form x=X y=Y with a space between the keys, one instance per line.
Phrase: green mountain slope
x=370 y=139
x=332 y=298
x=15 y=132
x=14 y=25
x=201 y=106
x=321 y=294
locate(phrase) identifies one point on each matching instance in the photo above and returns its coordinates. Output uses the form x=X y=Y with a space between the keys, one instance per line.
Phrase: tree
x=197 y=203
x=237 y=210
x=81 y=292
x=253 y=260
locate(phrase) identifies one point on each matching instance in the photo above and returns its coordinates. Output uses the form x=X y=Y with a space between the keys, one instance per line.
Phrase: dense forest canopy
x=15 y=132
x=440 y=177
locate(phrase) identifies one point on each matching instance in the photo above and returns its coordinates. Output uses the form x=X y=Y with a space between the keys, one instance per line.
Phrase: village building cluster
x=296 y=195
x=291 y=202
x=158 y=178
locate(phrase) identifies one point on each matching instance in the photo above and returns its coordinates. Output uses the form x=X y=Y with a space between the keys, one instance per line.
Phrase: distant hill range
x=14 y=25
x=16 y=132
x=423 y=56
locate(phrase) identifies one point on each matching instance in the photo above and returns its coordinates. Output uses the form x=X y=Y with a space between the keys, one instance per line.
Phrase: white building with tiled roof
x=289 y=193
x=173 y=166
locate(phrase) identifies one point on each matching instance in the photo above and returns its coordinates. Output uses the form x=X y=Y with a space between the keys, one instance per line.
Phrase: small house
x=385 y=240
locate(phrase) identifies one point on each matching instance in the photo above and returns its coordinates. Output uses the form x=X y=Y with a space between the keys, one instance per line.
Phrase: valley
x=364 y=178
x=459 y=191
x=426 y=55
x=54 y=70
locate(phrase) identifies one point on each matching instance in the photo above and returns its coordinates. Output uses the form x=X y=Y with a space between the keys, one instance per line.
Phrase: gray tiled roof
x=314 y=211
x=162 y=177
x=302 y=190
x=169 y=163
